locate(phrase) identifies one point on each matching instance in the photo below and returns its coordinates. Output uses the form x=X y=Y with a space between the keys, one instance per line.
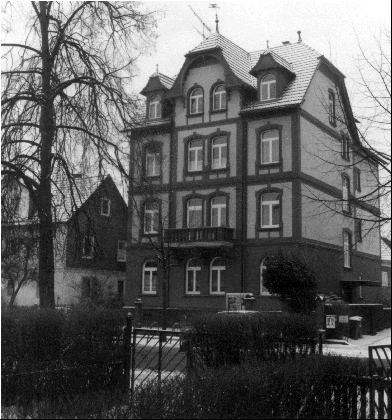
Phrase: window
x=384 y=279
x=196 y=101
x=195 y=155
x=345 y=148
x=263 y=290
x=155 y=108
x=331 y=108
x=219 y=153
x=120 y=288
x=270 y=210
x=346 y=194
x=217 y=284
x=150 y=276
x=359 y=230
x=121 y=250
x=219 y=98
x=90 y=288
x=347 y=249
x=105 y=207
x=268 y=87
x=192 y=286
x=195 y=213
x=153 y=162
x=358 y=179
x=88 y=246
x=151 y=218
x=218 y=211
x=269 y=147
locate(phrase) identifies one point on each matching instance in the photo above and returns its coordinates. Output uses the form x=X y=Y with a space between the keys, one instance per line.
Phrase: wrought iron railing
x=203 y=234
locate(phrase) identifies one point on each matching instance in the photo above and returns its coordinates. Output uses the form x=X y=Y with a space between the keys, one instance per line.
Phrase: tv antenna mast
x=215 y=7
x=205 y=26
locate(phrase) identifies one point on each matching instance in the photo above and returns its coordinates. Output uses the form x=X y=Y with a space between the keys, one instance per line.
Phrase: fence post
x=138 y=312
x=372 y=408
x=127 y=355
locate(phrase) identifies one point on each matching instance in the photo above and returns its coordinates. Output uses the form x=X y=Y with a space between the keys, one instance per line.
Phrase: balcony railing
x=199 y=235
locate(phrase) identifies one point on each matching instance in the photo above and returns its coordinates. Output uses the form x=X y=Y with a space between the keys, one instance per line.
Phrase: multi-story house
x=242 y=155
x=90 y=240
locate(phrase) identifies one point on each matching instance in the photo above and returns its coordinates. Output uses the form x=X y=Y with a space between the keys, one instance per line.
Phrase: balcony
x=200 y=237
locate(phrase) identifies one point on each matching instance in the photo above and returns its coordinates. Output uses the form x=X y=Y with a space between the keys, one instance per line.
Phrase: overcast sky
x=328 y=27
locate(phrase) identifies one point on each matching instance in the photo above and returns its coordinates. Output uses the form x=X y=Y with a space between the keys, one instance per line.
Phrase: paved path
x=359 y=348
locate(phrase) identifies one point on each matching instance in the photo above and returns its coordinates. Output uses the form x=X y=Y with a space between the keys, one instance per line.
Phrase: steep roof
x=158 y=81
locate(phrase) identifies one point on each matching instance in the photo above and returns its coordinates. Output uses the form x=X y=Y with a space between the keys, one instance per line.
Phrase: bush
x=293 y=281
x=221 y=339
x=69 y=352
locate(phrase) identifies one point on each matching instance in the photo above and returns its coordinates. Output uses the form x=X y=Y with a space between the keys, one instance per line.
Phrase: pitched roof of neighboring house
x=158 y=81
x=385 y=249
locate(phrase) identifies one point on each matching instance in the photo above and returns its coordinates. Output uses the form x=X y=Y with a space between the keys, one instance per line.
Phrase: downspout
x=244 y=168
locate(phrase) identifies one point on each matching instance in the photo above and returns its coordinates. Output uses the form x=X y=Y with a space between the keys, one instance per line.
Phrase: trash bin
x=355 y=327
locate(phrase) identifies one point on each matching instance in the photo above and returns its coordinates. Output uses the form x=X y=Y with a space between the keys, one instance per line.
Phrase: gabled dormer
x=273 y=74
x=156 y=91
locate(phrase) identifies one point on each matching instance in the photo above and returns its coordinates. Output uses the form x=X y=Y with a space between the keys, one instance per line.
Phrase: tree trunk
x=46 y=254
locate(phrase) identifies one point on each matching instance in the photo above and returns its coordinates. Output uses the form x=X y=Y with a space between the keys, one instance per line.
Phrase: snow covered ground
x=359 y=348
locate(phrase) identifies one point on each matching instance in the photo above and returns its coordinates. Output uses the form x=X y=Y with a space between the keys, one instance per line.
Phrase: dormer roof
x=268 y=60
x=156 y=82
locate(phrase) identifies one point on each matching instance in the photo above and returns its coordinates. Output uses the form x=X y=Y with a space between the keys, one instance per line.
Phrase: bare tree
x=65 y=100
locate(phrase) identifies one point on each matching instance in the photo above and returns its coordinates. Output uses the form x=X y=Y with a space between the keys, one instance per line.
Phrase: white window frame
x=92 y=244
x=270 y=204
x=219 y=269
x=199 y=101
x=264 y=292
x=192 y=271
x=219 y=147
x=218 y=208
x=384 y=279
x=332 y=107
x=346 y=194
x=156 y=163
x=148 y=229
x=221 y=95
x=109 y=205
x=347 y=249
x=268 y=84
x=150 y=270
x=269 y=140
x=198 y=150
x=121 y=253
x=154 y=109
x=194 y=208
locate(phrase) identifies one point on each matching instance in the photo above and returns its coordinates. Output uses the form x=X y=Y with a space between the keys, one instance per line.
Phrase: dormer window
x=219 y=98
x=155 y=108
x=268 y=87
x=105 y=207
x=196 y=101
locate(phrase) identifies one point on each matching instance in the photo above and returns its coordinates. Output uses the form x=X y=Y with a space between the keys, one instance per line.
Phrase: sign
x=330 y=321
x=343 y=319
x=235 y=302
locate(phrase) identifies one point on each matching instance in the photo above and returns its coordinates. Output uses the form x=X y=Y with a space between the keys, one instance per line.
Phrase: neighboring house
x=242 y=151
x=386 y=271
x=90 y=240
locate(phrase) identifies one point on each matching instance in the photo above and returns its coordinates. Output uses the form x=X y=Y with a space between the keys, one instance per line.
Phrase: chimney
x=299 y=36
x=286 y=42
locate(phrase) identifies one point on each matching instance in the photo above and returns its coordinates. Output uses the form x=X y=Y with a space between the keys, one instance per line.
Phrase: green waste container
x=355 y=325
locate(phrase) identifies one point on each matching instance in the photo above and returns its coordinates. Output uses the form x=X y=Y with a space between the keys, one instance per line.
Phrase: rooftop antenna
x=201 y=20
x=267 y=44
x=215 y=6
x=157 y=70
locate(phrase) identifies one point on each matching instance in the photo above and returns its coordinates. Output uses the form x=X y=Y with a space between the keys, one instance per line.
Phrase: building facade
x=241 y=156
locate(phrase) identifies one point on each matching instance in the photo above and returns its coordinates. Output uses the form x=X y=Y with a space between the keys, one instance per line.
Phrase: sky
x=331 y=28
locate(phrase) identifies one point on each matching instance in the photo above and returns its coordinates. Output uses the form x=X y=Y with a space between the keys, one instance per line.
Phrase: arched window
x=155 y=108
x=195 y=155
x=217 y=276
x=219 y=98
x=269 y=146
x=218 y=211
x=268 y=87
x=219 y=153
x=331 y=107
x=263 y=290
x=192 y=286
x=347 y=249
x=195 y=213
x=345 y=147
x=196 y=101
x=151 y=218
x=150 y=277
x=153 y=162
x=270 y=210
x=346 y=194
